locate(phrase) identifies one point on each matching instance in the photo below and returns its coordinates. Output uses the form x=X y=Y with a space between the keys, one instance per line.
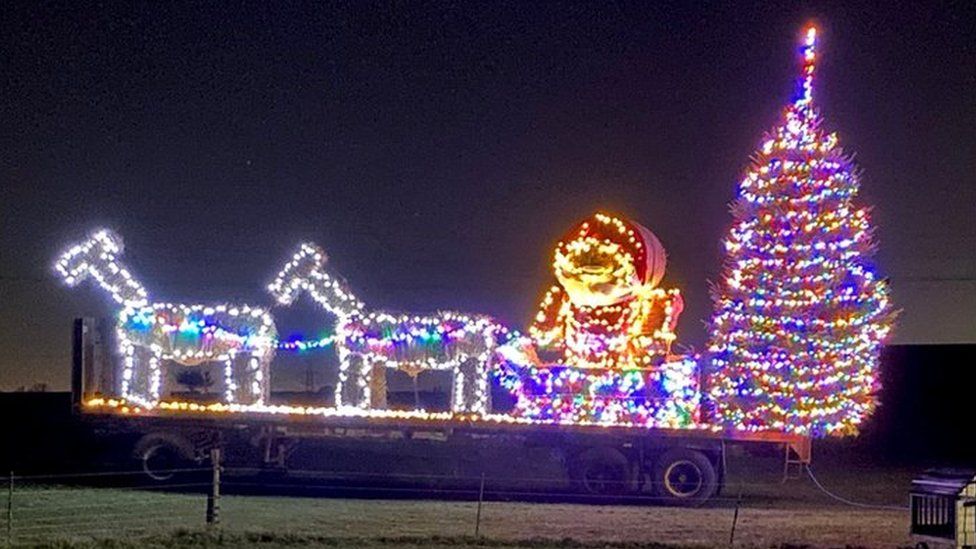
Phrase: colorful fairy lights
x=185 y=407
x=667 y=396
x=800 y=316
x=607 y=311
x=799 y=320
x=613 y=327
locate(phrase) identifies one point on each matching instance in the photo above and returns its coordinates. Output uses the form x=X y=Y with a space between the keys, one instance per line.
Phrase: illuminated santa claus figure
x=607 y=310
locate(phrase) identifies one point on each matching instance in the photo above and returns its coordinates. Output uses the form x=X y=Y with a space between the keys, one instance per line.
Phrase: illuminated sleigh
x=613 y=325
x=667 y=396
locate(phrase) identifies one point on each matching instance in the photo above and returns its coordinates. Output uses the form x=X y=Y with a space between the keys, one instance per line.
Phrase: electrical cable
x=846 y=501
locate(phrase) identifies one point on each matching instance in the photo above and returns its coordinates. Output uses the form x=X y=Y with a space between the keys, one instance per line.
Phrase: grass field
x=271 y=541
x=273 y=520
x=772 y=514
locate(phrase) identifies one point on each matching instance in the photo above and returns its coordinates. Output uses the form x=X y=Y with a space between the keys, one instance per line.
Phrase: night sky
x=438 y=150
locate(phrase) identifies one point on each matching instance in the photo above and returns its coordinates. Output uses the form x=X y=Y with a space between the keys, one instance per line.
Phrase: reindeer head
x=79 y=261
x=306 y=271
x=98 y=257
x=294 y=277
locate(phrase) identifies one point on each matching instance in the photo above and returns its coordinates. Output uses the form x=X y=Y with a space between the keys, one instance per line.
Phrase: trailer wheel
x=164 y=457
x=602 y=471
x=685 y=477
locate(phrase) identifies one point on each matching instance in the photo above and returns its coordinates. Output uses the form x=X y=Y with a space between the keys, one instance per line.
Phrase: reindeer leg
x=230 y=381
x=377 y=385
x=263 y=377
x=354 y=376
x=245 y=379
x=253 y=390
x=140 y=375
x=462 y=384
x=471 y=394
x=483 y=381
x=128 y=368
x=155 y=375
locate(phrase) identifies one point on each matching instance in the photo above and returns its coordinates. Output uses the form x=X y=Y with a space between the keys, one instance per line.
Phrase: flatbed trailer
x=682 y=466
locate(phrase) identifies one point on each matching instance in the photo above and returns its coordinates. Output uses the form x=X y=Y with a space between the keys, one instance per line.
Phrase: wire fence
x=51 y=507
x=127 y=504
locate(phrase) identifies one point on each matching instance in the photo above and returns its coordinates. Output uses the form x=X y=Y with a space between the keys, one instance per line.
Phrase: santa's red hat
x=633 y=238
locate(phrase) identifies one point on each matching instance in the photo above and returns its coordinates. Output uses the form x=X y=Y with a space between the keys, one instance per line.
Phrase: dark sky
x=438 y=150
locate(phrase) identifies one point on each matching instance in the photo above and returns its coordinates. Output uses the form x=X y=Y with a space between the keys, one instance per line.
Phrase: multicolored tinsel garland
x=800 y=315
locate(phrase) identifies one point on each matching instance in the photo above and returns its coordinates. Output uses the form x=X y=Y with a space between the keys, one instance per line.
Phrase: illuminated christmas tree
x=800 y=316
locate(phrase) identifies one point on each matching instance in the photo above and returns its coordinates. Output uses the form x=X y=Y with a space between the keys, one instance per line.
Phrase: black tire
x=164 y=457
x=685 y=477
x=602 y=472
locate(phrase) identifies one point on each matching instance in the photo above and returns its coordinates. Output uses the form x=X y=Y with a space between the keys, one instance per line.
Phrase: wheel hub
x=683 y=478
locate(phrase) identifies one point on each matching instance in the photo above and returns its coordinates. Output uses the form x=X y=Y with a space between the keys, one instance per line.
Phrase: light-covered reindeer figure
x=368 y=342
x=241 y=336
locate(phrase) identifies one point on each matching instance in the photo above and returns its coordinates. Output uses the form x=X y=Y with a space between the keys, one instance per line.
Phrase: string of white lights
x=241 y=337
x=461 y=343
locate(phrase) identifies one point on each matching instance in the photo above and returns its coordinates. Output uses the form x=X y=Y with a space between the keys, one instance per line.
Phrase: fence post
x=481 y=498
x=10 y=509
x=213 y=497
x=735 y=518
